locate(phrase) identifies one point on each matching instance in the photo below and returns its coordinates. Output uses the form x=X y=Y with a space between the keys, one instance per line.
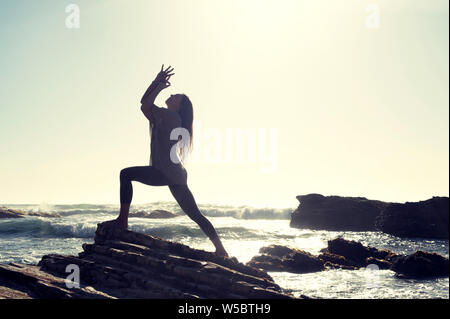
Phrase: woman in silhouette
x=165 y=167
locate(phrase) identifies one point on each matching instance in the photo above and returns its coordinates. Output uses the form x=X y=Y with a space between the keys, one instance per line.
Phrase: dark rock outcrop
x=18 y=281
x=280 y=258
x=421 y=265
x=126 y=264
x=426 y=219
x=356 y=254
x=17 y=213
x=333 y=261
x=351 y=255
x=340 y=253
x=157 y=213
x=336 y=213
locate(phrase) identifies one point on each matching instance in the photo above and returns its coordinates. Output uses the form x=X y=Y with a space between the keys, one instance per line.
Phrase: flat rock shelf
x=126 y=264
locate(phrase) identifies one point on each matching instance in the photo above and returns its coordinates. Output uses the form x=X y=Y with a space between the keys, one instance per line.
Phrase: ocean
x=243 y=230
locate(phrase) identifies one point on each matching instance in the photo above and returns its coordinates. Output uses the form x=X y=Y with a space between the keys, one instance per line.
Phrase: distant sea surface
x=243 y=229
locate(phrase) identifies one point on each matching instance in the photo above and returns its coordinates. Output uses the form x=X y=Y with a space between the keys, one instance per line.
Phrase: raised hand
x=160 y=83
x=163 y=76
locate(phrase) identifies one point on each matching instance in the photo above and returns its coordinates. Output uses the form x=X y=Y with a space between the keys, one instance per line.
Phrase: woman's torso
x=162 y=146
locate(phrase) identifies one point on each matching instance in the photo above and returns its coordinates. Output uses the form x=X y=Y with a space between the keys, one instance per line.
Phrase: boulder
x=18 y=281
x=417 y=265
x=157 y=213
x=126 y=264
x=421 y=265
x=356 y=254
x=336 y=213
x=350 y=255
x=426 y=219
x=281 y=258
x=381 y=263
x=276 y=250
x=333 y=261
x=340 y=253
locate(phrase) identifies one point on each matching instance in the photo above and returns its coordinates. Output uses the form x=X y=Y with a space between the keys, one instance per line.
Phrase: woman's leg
x=187 y=203
x=144 y=174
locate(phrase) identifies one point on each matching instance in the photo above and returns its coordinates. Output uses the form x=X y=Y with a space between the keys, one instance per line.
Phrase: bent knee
x=124 y=174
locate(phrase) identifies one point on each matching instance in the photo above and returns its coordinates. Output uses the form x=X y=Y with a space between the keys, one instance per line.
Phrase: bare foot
x=116 y=223
x=221 y=252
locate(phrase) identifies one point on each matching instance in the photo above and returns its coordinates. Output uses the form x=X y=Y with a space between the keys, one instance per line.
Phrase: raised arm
x=160 y=83
x=150 y=89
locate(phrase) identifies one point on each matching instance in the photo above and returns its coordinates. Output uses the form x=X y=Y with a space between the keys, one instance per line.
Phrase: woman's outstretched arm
x=147 y=101
x=150 y=89
x=161 y=82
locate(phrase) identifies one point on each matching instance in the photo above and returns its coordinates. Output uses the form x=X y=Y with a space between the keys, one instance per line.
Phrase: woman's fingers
x=167 y=72
x=168 y=69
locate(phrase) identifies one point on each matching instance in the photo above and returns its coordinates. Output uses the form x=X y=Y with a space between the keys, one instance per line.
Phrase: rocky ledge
x=126 y=264
x=351 y=255
x=337 y=213
x=424 y=219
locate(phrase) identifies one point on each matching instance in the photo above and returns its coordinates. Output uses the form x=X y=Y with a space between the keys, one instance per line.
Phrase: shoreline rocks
x=336 y=213
x=17 y=213
x=424 y=219
x=126 y=264
x=280 y=258
x=421 y=265
x=351 y=255
x=358 y=255
x=19 y=281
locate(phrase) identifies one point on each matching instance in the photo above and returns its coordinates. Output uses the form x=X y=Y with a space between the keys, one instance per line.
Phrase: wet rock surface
x=356 y=254
x=421 y=265
x=424 y=219
x=351 y=255
x=126 y=264
x=280 y=258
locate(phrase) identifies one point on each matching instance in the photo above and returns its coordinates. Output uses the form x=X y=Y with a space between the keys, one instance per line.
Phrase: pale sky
x=352 y=110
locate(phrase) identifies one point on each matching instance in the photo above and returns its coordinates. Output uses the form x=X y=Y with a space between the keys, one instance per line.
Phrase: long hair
x=186 y=113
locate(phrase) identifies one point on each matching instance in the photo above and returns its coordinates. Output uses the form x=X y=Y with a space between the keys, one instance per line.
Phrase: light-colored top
x=161 y=144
